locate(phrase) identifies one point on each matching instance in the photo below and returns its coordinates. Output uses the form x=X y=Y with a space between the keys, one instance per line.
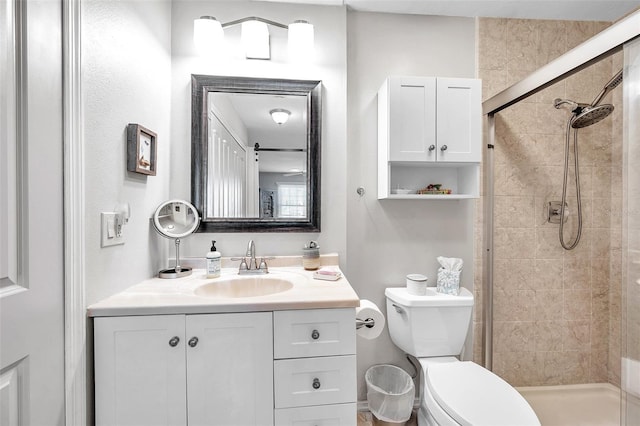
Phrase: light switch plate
x=109 y=236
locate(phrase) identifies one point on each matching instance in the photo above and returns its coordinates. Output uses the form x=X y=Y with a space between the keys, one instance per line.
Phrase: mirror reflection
x=255 y=153
x=257 y=156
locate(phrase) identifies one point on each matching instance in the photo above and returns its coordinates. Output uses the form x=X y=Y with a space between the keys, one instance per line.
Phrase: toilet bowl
x=433 y=328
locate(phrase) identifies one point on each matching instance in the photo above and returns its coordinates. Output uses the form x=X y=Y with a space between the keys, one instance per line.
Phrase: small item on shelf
x=327 y=274
x=434 y=189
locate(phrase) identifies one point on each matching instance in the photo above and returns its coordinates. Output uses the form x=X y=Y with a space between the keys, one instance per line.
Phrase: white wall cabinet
x=288 y=367
x=429 y=132
x=145 y=366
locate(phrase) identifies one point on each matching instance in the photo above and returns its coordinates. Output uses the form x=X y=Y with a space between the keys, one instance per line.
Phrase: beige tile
x=577 y=272
x=576 y=336
x=521 y=44
x=548 y=274
x=514 y=305
x=548 y=336
x=577 y=305
x=514 y=243
x=513 y=274
x=513 y=212
x=549 y=305
x=513 y=336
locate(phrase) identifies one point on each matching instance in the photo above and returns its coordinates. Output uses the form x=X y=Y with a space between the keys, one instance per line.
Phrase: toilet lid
x=473 y=395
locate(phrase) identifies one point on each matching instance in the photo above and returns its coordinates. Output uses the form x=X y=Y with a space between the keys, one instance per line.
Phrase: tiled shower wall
x=556 y=312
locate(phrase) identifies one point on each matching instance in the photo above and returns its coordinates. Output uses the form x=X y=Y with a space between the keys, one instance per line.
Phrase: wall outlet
x=111 y=229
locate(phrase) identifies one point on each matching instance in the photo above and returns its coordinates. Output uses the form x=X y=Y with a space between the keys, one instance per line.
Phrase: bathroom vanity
x=235 y=350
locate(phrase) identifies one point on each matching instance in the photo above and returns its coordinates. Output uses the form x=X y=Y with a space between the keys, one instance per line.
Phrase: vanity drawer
x=323 y=415
x=314 y=381
x=314 y=332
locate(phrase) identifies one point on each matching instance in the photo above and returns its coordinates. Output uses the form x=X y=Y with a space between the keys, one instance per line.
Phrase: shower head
x=612 y=84
x=590 y=115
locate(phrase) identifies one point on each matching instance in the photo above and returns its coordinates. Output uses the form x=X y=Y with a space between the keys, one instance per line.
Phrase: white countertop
x=158 y=296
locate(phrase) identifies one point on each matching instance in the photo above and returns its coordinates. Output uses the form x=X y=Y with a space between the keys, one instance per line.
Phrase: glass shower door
x=631 y=282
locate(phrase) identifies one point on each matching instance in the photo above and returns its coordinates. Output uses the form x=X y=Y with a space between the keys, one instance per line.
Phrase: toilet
x=433 y=329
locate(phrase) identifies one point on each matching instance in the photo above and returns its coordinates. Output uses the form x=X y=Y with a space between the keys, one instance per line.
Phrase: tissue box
x=448 y=281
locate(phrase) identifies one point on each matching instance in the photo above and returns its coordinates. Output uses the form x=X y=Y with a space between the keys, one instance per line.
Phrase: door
x=31 y=214
x=140 y=370
x=412 y=119
x=230 y=369
x=459 y=122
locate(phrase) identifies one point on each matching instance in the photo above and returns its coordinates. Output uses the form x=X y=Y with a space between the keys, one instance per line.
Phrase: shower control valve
x=554 y=209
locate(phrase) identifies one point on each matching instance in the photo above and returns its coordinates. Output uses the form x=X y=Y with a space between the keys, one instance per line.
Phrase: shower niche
x=429 y=138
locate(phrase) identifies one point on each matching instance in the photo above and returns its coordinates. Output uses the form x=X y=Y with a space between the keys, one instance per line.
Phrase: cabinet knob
x=193 y=342
x=432 y=147
x=315 y=334
x=443 y=148
x=316 y=383
x=173 y=342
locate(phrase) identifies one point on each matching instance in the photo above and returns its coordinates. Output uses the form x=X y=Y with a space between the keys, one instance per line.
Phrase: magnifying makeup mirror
x=176 y=219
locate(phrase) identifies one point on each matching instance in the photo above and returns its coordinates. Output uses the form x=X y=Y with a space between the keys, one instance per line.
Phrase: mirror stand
x=176 y=219
x=178 y=271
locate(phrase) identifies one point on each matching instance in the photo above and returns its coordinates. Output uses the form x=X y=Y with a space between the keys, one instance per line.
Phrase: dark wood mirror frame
x=201 y=85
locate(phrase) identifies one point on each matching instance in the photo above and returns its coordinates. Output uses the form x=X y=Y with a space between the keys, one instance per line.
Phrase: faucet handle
x=243 y=263
x=263 y=265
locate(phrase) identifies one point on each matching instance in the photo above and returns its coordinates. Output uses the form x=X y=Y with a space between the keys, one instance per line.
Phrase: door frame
x=75 y=335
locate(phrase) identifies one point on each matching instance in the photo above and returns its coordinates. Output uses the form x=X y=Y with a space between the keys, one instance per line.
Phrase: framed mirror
x=255 y=154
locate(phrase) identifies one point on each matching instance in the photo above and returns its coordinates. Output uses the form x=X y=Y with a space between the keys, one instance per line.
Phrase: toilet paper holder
x=369 y=323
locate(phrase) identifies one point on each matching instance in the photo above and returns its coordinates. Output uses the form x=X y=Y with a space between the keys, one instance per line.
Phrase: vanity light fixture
x=279 y=115
x=208 y=34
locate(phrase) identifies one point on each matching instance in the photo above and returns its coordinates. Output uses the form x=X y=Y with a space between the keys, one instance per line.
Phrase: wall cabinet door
x=459 y=120
x=412 y=119
x=140 y=372
x=230 y=369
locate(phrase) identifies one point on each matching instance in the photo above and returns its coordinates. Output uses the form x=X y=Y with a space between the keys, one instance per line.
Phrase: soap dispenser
x=213 y=262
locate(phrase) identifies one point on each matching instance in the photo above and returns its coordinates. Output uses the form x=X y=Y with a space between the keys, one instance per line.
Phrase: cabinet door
x=230 y=369
x=412 y=118
x=140 y=370
x=459 y=123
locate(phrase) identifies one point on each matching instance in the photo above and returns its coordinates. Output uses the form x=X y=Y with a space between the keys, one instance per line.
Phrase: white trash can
x=390 y=394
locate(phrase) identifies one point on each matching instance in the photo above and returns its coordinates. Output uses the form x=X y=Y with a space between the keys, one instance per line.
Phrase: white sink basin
x=244 y=286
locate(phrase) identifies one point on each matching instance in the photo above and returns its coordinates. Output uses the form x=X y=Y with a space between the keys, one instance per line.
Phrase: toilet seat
x=471 y=395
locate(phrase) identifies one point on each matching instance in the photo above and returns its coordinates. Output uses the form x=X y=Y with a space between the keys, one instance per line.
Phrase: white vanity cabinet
x=213 y=369
x=315 y=367
x=429 y=132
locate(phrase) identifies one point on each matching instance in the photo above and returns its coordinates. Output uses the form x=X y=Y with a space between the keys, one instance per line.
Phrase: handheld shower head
x=612 y=84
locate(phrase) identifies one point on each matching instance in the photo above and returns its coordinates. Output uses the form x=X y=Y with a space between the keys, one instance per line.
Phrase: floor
x=575 y=405
x=365 y=418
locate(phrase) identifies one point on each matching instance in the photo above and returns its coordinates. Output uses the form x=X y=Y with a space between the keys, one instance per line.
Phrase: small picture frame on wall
x=141 y=150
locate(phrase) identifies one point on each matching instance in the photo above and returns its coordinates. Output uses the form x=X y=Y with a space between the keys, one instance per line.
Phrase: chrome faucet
x=249 y=263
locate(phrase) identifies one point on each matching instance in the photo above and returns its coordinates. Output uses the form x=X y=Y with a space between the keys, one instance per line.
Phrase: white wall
x=329 y=66
x=126 y=74
x=391 y=238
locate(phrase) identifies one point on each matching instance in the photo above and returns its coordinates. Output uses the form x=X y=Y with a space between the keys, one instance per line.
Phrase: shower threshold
x=596 y=404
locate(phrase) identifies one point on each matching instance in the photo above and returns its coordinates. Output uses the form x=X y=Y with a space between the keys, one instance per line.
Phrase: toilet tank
x=431 y=325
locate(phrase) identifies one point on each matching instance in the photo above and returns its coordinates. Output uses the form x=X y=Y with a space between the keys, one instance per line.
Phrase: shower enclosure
x=551 y=316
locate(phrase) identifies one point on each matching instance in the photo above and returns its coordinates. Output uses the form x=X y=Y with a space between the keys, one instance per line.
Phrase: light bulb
x=301 y=41
x=207 y=34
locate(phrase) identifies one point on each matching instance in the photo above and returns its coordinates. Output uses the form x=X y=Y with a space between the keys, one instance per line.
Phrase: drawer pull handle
x=193 y=342
x=443 y=148
x=316 y=383
x=315 y=334
x=173 y=342
x=432 y=147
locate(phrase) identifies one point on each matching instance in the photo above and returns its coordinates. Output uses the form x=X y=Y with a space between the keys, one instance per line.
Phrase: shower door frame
x=598 y=47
